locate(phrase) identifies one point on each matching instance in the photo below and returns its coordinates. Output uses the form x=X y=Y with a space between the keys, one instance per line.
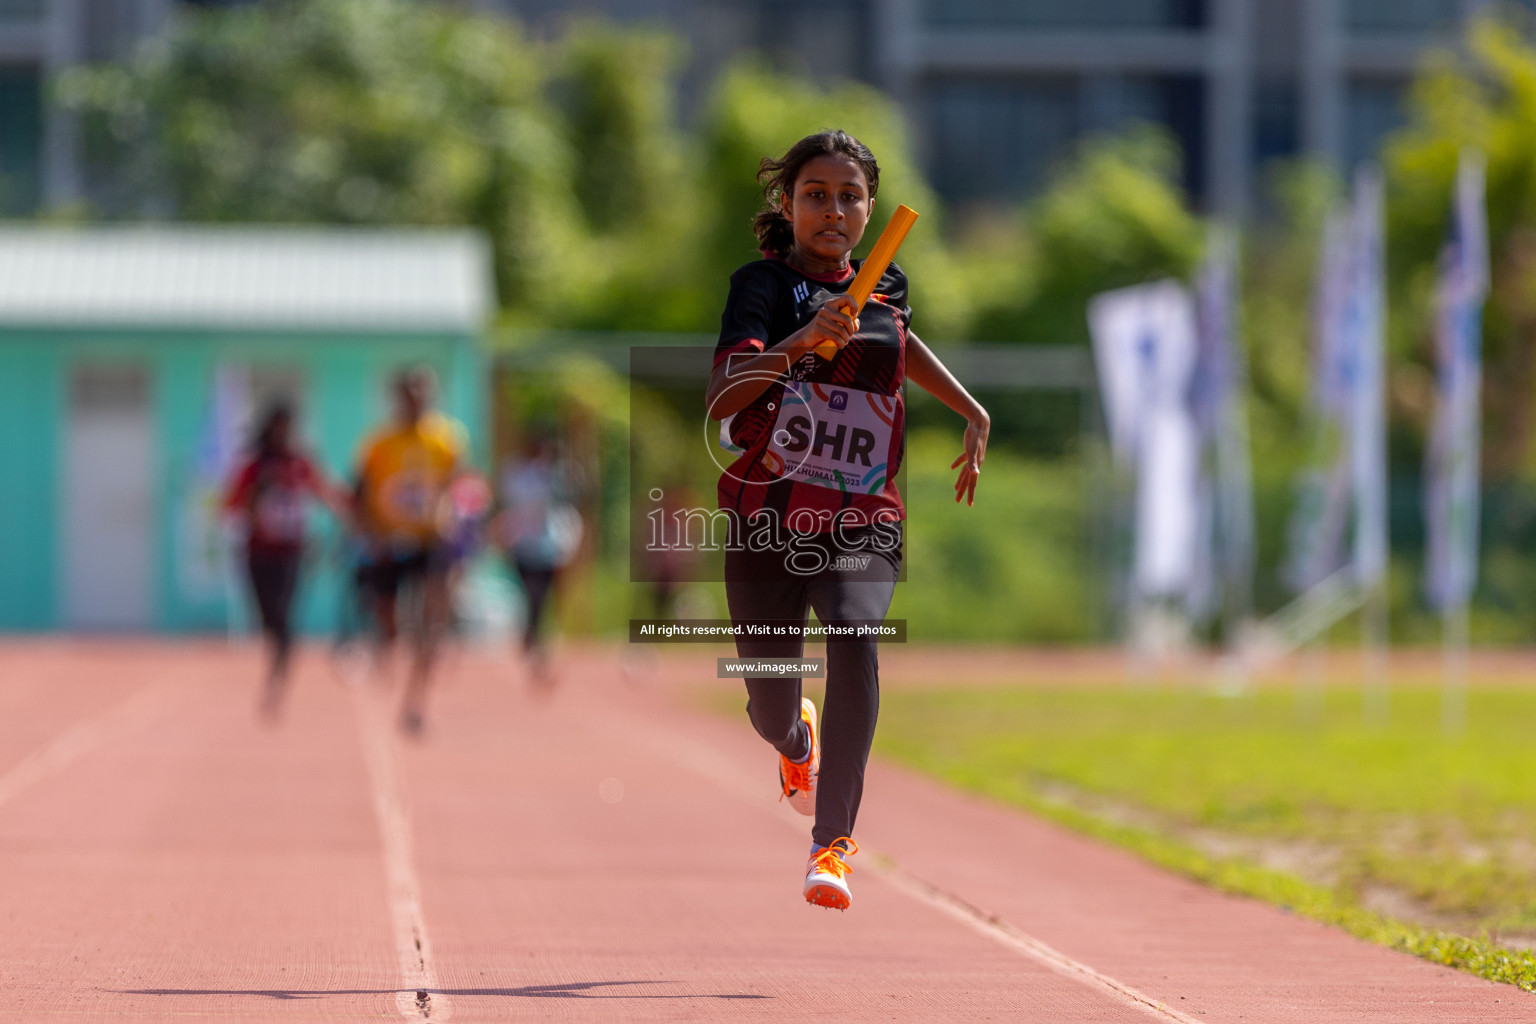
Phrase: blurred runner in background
x=404 y=520
x=541 y=531
x=469 y=512
x=271 y=493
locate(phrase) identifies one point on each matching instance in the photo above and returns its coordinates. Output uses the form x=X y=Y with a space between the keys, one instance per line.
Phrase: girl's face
x=829 y=208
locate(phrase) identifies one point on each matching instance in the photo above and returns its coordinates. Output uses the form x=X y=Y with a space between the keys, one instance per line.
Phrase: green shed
x=132 y=361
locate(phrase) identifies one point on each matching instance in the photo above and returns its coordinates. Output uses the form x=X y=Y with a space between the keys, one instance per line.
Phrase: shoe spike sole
x=826 y=896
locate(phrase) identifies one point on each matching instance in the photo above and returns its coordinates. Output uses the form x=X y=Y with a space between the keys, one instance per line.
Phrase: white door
x=108 y=500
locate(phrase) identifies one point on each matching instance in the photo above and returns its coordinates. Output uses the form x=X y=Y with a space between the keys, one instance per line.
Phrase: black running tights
x=274 y=575
x=759 y=588
x=537 y=582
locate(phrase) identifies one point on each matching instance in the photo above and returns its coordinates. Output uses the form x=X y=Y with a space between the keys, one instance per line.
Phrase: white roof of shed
x=252 y=277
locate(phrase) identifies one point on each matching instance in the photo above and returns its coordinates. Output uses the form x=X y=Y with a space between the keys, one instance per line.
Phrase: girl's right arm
x=735 y=383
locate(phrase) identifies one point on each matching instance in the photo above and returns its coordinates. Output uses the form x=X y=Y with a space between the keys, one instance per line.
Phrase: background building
x=132 y=361
x=40 y=161
x=995 y=89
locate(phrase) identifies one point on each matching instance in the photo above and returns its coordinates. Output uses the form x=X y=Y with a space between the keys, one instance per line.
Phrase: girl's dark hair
x=278 y=414
x=774 y=233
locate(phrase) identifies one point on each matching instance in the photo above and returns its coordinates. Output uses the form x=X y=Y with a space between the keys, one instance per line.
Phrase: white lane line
x=419 y=997
x=77 y=741
x=704 y=760
x=994 y=927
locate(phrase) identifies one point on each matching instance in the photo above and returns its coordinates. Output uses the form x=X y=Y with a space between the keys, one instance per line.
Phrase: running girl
x=404 y=474
x=271 y=492
x=813 y=494
x=541 y=531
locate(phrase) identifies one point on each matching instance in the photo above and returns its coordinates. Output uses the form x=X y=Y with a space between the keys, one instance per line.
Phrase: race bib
x=407 y=499
x=279 y=514
x=833 y=437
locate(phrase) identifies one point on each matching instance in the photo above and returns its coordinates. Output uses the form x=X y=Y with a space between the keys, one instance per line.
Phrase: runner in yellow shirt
x=404 y=472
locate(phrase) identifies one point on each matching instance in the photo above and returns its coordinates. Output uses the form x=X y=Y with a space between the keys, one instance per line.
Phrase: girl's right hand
x=836 y=321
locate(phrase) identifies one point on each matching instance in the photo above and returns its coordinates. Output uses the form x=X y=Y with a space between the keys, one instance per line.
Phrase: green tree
x=635 y=178
x=345 y=112
x=1113 y=215
x=1279 y=277
x=1483 y=99
x=616 y=91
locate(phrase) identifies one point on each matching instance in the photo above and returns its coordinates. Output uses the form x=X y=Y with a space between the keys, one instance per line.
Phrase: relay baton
x=874 y=267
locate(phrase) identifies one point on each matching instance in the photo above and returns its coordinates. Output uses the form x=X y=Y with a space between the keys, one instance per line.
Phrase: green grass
x=1395 y=833
x=976 y=572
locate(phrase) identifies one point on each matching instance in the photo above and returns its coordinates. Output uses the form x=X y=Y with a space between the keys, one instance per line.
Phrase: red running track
x=603 y=854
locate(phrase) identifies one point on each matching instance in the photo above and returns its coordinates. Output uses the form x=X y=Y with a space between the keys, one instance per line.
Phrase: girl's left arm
x=925 y=370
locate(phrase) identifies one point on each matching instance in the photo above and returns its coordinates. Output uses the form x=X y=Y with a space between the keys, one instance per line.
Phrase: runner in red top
x=818 y=518
x=272 y=493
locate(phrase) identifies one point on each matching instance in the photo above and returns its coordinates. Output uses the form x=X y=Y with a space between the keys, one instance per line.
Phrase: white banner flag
x=1320 y=520
x=1348 y=471
x=203 y=545
x=1452 y=477
x=1144 y=342
x=1225 y=550
x=1366 y=325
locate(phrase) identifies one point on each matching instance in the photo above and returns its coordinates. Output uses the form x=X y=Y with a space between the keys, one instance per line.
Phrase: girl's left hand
x=976 y=431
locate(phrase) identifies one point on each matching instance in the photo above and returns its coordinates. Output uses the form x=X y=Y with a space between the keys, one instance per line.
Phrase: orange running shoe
x=826 y=874
x=797 y=780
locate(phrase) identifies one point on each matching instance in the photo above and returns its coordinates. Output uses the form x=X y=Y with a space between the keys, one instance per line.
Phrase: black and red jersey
x=272 y=491
x=827 y=435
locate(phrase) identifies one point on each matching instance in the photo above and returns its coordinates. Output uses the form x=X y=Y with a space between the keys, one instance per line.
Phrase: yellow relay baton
x=874 y=267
